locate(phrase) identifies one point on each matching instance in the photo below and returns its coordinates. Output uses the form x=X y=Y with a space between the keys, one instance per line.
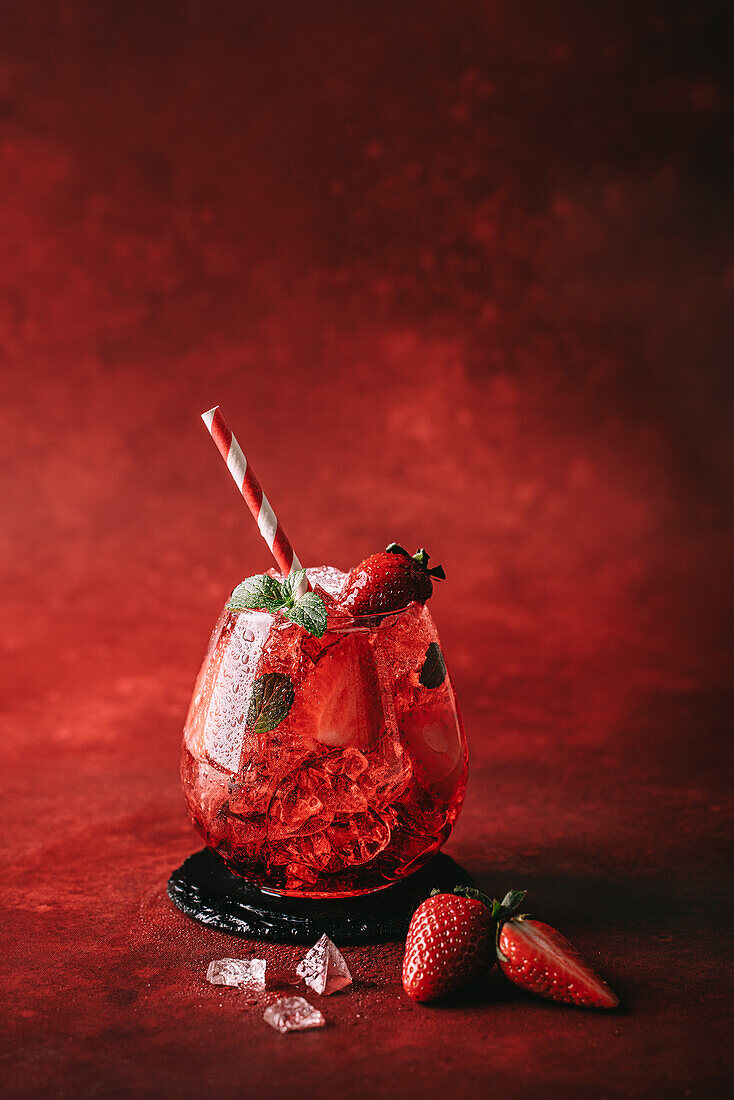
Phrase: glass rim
x=335 y=624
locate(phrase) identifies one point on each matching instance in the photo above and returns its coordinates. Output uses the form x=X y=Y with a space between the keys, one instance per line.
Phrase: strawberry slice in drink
x=339 y=703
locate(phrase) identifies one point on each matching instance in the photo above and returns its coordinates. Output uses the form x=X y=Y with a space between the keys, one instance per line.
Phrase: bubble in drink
x=293 y=1014
x=324 y=968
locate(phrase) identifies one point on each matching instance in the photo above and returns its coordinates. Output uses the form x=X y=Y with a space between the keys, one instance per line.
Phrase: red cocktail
x=324 y=766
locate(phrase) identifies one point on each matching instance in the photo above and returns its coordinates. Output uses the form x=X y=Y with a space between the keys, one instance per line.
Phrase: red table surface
x=459 y=275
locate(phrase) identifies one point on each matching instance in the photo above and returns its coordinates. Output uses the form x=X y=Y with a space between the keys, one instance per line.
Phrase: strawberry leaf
x=271 y=699
x=476 y=895
x=309 y=611
x=258 y=592
x=509 y=905
x=433 y=673
x=396 y=548
x=513 y=899
x=422 y=557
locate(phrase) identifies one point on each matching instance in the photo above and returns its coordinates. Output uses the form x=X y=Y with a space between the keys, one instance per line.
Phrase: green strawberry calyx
x=505 y=910
x=501 y=911
x=420 y=558
x=511 y=902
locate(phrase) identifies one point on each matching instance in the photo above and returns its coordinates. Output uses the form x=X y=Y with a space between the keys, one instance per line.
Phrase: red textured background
x=459 y=274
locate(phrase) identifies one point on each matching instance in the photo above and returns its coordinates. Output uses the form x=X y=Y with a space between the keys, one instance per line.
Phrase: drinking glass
x=324 y=767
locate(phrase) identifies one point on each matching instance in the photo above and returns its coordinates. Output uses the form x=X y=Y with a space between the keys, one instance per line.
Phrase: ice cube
x=293 y=1014
x=324 y=969
x=247 y=974
x=327 y=577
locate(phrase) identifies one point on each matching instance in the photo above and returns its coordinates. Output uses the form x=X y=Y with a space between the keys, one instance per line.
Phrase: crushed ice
x=324 y=969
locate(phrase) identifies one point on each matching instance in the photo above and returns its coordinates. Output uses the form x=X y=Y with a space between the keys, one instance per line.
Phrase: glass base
x=205 y=889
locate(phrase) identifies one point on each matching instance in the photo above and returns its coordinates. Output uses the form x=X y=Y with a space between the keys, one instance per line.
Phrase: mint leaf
x=260 y=591
x=309 y=612
x=271 y=699
x=433 y=672
x=290 y=586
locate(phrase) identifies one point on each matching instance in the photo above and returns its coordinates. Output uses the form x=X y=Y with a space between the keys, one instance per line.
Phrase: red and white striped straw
x=245 y=480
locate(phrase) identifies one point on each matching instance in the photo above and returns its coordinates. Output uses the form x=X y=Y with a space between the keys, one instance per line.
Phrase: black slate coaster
x=206 y=890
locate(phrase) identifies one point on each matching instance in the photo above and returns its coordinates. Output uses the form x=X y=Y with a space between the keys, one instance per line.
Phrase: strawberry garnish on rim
x=389 y=581
x=537 y=958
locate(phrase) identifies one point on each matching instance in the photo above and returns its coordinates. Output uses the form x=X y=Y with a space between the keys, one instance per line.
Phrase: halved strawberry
x=389 y=581
x=540 y=960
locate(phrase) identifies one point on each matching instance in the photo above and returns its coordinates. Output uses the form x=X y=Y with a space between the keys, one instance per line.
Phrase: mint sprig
x=265 y=593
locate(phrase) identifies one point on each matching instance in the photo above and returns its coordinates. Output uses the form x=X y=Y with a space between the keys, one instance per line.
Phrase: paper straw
x=244 y=478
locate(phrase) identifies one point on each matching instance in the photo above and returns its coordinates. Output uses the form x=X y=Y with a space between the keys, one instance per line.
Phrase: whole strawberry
x=539 y=959
x=450 y=943
x=389 y=581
